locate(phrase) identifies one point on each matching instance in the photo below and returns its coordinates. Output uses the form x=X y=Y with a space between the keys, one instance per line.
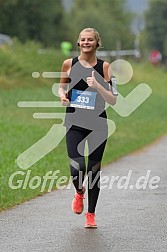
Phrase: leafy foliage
x=108 y=17
x=36 y=20
x=156 y=25
x=49 y=23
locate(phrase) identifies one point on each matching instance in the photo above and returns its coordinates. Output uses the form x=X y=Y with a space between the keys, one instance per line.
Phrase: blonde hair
x=97 y=36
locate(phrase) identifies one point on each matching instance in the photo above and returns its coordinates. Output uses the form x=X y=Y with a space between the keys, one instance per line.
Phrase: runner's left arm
x=107 y=95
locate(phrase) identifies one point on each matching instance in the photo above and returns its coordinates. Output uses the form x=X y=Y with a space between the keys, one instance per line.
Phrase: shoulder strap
x=99 y=67
x=74 y=60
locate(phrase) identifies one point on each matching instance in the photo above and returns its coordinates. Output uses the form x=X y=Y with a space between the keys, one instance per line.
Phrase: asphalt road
x=131 y=220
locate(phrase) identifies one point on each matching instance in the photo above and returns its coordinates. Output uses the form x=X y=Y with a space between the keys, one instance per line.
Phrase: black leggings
x=96 y=140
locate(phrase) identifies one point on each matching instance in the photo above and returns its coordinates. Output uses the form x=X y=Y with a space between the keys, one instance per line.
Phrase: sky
x=137 y=6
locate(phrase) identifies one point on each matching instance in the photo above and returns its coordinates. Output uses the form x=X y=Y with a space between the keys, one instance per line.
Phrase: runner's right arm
x=62 y=92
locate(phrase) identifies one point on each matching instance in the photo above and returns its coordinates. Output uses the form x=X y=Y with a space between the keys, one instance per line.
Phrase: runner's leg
x=94 y=166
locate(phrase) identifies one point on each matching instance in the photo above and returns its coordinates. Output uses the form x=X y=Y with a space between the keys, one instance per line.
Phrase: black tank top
x=83 y=118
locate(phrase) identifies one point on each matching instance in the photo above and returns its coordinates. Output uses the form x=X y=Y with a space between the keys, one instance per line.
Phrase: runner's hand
x=64 y=100
x=91 y=81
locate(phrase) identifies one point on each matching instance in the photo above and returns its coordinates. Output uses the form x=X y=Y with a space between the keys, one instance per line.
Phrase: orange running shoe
x=90 y=220
x=77 y=203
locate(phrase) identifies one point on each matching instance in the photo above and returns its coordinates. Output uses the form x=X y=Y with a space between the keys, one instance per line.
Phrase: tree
x=32 y=19
x=156 y=26
x=108 y=17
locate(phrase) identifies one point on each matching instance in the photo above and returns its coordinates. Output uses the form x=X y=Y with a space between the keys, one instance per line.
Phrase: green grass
x=19 y=130
x=147 y=122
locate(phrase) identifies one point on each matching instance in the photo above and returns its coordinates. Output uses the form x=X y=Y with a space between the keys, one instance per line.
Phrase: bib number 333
x=83 y=99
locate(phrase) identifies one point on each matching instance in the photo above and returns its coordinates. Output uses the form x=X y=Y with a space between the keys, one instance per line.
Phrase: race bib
x=83 y=99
